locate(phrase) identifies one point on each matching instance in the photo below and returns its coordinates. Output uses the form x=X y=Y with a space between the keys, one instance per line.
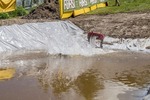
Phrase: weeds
x=4 y=16
x=20 y=11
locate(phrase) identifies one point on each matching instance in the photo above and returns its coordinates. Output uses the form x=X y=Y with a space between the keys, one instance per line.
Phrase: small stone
x=144 y=27
x=148 y=47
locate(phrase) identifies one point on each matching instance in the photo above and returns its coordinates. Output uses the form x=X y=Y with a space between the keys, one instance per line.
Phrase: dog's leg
x=101 y=43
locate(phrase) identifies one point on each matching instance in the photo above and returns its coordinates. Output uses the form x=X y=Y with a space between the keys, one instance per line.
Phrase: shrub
x=20 y=11
x=4 y=16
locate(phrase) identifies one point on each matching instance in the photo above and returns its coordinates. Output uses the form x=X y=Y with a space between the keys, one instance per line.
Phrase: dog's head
x=99 y=35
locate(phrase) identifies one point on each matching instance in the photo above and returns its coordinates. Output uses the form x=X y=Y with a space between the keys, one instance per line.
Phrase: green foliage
x=4 y=16
x=126 y=6
x=20 y=11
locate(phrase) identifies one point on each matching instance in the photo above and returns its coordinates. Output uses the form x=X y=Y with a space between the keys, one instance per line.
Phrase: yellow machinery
x=7 y=5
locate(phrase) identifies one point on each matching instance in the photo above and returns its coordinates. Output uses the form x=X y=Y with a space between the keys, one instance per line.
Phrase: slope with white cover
x=61 y=37
x=54 y=37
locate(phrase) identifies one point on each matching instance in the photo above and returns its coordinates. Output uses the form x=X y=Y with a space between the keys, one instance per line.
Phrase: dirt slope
x=127 y=25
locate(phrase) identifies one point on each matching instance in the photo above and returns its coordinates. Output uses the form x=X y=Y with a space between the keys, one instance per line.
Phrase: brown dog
x=99 y=36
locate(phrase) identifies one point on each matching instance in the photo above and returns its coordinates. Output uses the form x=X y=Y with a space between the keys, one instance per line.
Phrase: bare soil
x=45 y=11
x=121 y=25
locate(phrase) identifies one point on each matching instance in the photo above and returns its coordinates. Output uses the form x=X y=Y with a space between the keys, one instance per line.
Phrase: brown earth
x=126 y=25
x=45 y=11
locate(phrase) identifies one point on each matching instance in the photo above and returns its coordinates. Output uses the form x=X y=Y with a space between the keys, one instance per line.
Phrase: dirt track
x=134 y=25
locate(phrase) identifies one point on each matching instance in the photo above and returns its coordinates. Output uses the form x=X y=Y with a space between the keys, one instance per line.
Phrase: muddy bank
x=122 y=25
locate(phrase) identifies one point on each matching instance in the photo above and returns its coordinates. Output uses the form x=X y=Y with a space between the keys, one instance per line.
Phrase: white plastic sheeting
x=61 y=37
x=138 y=45
x=54 y=37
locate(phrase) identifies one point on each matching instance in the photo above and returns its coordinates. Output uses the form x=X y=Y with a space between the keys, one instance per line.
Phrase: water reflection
x=86 y=78
x=6 y=73
x=86 y=85
x=136 y=77
x=89 y=84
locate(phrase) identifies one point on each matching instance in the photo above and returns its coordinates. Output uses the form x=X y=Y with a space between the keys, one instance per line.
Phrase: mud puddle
x=117 y=76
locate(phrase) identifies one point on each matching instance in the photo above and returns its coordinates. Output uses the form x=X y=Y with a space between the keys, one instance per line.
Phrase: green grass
x=4 y=16
x=126 y=6
x=20 y=11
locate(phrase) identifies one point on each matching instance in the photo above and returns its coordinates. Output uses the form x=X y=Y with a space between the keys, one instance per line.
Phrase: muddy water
x=117 y=76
